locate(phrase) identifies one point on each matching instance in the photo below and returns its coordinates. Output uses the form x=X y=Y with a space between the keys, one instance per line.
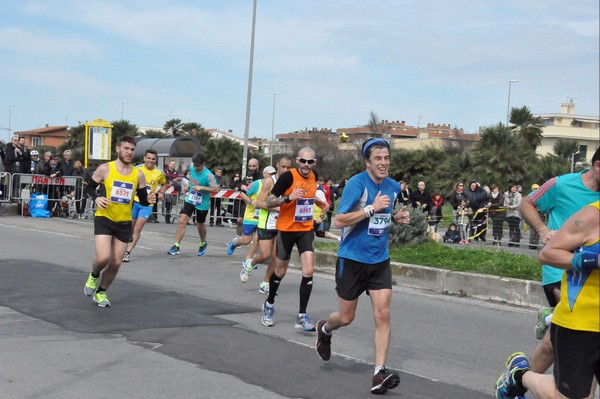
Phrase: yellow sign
x=97 y=140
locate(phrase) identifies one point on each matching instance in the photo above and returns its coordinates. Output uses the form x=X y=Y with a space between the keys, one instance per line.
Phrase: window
x=36 y=141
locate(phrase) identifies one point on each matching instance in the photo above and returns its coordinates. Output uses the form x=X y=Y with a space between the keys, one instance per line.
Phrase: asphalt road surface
x=187 y=327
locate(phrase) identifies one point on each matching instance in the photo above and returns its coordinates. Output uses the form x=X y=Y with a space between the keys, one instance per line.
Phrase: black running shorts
x=286 y=240
x=122 y=231
x=189 y=209
x=352 y=278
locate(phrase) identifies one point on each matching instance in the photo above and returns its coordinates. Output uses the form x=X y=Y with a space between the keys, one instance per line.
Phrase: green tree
x=549 y=166
x=223 y=152
x=156 y=134
x=501 y=156
x=527 y=126
x=173 y=127
x=565 y=148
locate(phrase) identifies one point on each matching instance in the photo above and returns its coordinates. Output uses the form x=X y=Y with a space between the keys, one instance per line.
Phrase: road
x=186 y=327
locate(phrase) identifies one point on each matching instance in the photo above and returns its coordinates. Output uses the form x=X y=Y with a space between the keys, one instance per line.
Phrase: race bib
x=256 y=213
x=272 y=220
x=304 y=210
x=195 y=198
x=379 y=223
x=121 y=192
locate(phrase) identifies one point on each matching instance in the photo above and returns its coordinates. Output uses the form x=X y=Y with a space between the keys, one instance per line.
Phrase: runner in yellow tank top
x=575 y=329
x=112 y=223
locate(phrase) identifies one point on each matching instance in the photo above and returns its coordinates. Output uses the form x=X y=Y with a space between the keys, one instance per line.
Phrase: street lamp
x=573 y=160
x=510 y=82
x=273 y=128
x=249 y=95
x=122 y=106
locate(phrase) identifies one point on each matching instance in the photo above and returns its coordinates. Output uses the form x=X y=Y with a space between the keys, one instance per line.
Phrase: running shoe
x=174 y=250
x=202 y=249
x=323 y=344
x=231 y=247
x=90 y=285
x=506 y=385
x=541 y=327
x=101 y=299
x=126 y=257
x=246 y=269
x=304 y=323
x=384 y=380
x=267 y=315
x=263 y=288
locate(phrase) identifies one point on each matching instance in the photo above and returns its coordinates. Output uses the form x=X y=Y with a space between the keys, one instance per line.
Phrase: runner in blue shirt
x=365 y=213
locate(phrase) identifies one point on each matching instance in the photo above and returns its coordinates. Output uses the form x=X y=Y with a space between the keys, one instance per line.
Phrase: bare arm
x=580 y=229
x=531 y=215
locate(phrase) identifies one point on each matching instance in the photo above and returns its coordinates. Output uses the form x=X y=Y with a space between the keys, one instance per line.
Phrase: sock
x=519 y=388
x=176 y=244
x=100 y=289
x=305 y=290
x=378 y=369
x=548 y=319
x=95 y=275
x=201 y=242
x=274 y=282
x=324 y=330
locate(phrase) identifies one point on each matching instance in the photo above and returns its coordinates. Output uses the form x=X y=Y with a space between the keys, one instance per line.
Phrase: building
x=217 y=134
x=49 y=136
x=568 y=125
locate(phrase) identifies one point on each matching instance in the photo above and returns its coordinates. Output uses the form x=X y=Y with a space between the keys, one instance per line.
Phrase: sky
x=324 y=64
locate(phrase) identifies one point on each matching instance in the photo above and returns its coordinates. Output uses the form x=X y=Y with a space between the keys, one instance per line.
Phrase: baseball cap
x=270 y=170
x=535 y=186
x=34 y=152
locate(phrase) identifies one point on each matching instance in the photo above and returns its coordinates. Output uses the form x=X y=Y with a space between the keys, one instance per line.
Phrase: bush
x=413 y=233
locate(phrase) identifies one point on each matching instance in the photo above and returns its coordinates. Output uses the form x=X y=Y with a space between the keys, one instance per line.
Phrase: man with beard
x=295 y=195
x=120 y=182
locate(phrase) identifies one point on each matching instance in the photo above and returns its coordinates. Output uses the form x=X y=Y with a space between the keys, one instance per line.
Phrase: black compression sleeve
x=142 y=194
x=90 y=188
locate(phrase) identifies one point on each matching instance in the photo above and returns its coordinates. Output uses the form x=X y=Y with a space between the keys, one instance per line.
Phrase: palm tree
x=528 y=126
x=500 y=156
x=173 y=126
x=565 y=148
x=223 y=152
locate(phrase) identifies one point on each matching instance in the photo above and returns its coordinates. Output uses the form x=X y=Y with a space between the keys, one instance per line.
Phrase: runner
x=294 y=192
x=197 y=201
x=251 y=213
x=575 y=329
x=139 y=213
x=112 y=221
x=266 y=231
x=365 y=214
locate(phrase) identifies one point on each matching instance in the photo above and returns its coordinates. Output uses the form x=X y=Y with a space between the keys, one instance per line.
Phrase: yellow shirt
x=154 y=177
x=120 y=191
x=579 y=306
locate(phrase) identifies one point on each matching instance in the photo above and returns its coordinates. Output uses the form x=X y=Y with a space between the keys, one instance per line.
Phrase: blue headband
x=372 y=142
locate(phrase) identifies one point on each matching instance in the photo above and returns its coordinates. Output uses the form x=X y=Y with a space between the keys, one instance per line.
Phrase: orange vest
x=298 y=215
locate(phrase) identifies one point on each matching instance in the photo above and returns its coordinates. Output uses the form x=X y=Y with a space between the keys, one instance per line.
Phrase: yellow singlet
x=120 y=191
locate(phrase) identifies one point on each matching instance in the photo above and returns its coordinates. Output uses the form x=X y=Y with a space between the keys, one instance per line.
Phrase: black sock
x=305 y=290
x=95 y=275
x=274 y=282
x=100 y=289
x=520 y=389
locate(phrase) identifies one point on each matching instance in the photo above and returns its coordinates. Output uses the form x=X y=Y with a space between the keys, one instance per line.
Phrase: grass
x=470 y=259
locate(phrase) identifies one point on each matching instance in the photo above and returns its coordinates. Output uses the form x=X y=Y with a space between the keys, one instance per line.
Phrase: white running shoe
x=246 y=269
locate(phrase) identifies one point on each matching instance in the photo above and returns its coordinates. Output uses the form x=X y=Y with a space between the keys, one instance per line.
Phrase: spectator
x=39 y=168
x=452 y=235
x=329 y=195
x=512 y=202
x=497 y=213
x=174 y=183
x=404 y=196
x=79 y=193
x=319 y=222
x=420 y=198
x=215 y=203
x=14 y=157
x=435 y=212
x=457 y=196
x=2 y=156
x=66 y=164
x=340 y=189
x=463 y=216
x=52 y=169
x=321 y=187
x=234 y=209
x=478 y=199
x=35 y=160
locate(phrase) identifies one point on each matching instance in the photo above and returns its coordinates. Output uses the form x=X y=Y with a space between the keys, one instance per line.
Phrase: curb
x=472 y=285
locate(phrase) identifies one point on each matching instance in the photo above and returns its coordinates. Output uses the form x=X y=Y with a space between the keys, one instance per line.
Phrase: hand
x=152 y=198
x=297 y=193
x=102 y=202
x=381 y=202
x=402 y=216
x=546 y=235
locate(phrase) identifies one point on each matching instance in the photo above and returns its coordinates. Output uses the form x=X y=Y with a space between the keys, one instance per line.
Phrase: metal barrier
x=64 y=194
x=5 y=186
x=225 y=206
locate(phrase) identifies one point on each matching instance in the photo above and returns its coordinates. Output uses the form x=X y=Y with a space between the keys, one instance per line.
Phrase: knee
x=346 y=319
x=382 y=315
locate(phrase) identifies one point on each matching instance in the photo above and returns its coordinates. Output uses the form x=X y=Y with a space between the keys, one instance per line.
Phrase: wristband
x=584 y=261
x=287 y=199
x=369 y=211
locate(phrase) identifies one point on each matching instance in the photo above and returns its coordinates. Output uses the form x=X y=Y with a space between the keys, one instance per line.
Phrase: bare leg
x=381 y=300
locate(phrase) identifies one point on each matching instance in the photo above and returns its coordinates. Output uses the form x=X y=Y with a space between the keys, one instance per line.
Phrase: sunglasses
x=306 y=161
